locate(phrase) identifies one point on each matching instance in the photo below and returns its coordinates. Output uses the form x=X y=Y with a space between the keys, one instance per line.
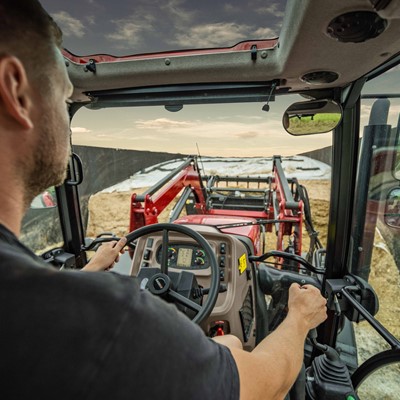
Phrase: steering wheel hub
x=159 y=284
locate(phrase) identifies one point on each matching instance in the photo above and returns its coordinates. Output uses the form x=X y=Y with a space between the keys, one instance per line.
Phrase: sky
x=145 y=26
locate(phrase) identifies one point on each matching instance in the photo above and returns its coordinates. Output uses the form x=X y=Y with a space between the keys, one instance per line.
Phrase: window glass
x=127 y=150
x=41 y=229
x=376 y=244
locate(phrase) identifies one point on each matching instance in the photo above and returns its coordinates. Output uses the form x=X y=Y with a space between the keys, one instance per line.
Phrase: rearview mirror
x=311 y=117
x=47 y=199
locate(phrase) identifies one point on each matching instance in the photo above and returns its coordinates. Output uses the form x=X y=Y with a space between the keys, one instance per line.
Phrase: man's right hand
x=307 y=304
x=269 y=371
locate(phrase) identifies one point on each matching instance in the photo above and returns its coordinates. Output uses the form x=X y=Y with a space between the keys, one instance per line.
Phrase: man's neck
x=12 y=208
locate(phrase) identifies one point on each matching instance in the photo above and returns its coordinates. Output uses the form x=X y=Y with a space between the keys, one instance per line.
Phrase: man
x=78 y=335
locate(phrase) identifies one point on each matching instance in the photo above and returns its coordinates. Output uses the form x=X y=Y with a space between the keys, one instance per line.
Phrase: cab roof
x=322 y=45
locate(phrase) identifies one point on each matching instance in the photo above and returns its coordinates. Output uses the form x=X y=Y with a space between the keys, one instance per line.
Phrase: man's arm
x=269 y=371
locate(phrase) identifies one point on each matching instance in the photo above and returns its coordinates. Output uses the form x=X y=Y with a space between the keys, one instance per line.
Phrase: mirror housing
x=312 y=117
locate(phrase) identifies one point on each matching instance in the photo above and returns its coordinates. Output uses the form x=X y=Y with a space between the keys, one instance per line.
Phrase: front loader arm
x=146 y=207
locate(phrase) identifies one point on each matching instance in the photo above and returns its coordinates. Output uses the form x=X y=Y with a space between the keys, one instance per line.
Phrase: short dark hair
x=29 y=33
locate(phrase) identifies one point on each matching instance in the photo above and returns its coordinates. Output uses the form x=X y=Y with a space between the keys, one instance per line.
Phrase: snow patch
x=299 y=167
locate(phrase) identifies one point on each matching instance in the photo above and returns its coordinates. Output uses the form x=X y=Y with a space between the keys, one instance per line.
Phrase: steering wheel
x=160 y=282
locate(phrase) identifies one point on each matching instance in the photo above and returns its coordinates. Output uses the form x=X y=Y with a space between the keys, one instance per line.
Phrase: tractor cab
x=237 y=170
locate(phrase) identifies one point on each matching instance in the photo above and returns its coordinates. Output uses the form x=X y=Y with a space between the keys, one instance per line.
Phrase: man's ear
x=14 y=91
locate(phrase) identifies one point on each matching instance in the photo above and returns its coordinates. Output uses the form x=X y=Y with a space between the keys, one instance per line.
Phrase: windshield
x=127 y=150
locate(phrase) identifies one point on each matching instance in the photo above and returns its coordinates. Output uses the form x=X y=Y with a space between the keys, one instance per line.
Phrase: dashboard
x=234 y=311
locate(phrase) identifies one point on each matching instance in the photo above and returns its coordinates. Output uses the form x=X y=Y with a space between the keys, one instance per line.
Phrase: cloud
x=230 y=8
x=393 y=115
x=212 y=35
x=91 y=19
x=219 y=34
x=214 y=137
x=177 y=13
x=129 y=31
x=365 y=110
x=265 y=33
x=69 y=25
x=246 y=135
x=78 y=129
x=163 y=123
x=272 y=9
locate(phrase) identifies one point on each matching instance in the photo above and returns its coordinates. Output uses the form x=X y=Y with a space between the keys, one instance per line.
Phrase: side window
x=376 y=228
x=41 y=229
x=397 y=163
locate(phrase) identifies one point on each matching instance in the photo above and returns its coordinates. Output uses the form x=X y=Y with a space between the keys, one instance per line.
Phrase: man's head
x=34 y=87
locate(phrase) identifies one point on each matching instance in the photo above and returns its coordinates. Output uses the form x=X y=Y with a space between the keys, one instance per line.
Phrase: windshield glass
x=125 y=150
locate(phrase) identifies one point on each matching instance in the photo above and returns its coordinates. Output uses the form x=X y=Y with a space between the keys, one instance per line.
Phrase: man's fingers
x=120 y=244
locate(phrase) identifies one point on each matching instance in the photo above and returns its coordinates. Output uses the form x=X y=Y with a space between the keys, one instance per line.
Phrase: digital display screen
x=184 y=257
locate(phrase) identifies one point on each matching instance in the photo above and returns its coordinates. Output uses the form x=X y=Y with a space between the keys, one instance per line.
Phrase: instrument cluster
x=184 y=256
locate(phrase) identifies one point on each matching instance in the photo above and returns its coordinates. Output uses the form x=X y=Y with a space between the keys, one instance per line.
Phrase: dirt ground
x=109 y=212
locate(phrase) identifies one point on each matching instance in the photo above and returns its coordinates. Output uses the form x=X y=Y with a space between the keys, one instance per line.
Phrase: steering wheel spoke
x=164 y=252
x=185 y=301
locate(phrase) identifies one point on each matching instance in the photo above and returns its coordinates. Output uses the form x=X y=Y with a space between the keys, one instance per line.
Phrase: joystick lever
x=328 y=376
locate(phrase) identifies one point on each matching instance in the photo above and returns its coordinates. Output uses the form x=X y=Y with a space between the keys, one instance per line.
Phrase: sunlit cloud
x=253 y=118
x=230 y=8
x=265 y=33
x=129 y=31
x=393 y=114
x=69 y=25
x=91 y=19
x=162 y=123
x=177 y=12
x=78 y=129
x=212 y=35
x=240 y=135
x=246 y=135
x=365 y=110
x=272 y=9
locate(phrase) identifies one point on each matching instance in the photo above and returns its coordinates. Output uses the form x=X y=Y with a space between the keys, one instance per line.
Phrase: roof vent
x=356 y=27
x=320 y=77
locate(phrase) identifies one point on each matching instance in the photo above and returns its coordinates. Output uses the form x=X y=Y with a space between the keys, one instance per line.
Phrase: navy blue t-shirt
x=85 y=335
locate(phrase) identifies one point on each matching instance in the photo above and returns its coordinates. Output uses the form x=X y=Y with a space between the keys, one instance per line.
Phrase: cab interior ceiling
x=304 y=50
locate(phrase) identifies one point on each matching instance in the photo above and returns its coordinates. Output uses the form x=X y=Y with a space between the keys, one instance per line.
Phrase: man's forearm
x=283 y=350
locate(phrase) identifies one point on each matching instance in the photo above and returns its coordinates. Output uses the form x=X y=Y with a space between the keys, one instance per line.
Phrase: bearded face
x=49 y=158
